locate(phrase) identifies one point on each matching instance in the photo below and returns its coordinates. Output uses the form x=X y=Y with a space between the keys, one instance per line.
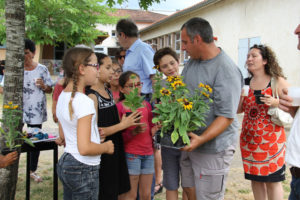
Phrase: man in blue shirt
x=139 y=55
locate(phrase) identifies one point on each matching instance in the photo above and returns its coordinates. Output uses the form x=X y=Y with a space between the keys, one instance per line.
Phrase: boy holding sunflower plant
x=166 y=61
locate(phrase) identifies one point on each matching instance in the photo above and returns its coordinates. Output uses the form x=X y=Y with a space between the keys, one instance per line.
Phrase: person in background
x=139 y=55
x=293 y=142
x=120 y=56
x=58 y=88
x=114 y=83
x=262 y=142
x=167 y=62
x=37 y=82
x=2 y=65
x=200 y=163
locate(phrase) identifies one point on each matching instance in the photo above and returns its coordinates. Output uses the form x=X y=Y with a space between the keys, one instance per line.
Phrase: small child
x=78 y=167
x=114 y=178
x=168 y=64
x=137 y=141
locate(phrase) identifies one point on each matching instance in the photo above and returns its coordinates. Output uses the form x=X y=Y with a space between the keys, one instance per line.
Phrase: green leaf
x=155 y=120
x=174 y=137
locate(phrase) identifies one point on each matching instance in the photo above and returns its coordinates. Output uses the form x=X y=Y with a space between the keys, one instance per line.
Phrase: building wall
x=274 y=21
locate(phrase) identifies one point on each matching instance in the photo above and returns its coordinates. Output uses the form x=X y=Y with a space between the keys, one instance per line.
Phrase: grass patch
x=244 y=191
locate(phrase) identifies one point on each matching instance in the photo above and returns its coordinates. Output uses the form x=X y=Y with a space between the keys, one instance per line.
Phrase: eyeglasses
x=94 y=65
x=120 y=57
x=134 y=85
x=118 y=71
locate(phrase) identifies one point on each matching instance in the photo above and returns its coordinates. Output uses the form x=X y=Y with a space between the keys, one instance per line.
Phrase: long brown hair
x=272 y=67
x=73 y=58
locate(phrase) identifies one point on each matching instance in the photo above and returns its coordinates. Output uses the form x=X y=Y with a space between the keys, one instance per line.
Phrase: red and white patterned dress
x=262 y=142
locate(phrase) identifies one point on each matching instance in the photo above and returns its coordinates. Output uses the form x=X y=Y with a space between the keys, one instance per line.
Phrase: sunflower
x=188 y=105
x=208 y=88
x=170 y=79
x=201 y=85
x=176 y=84
x=205 y=94
x=156 y=67
x=165 y=92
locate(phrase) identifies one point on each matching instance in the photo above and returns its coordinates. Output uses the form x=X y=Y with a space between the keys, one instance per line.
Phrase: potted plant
x=179 y=111
x=9 y=129
x=133 y=100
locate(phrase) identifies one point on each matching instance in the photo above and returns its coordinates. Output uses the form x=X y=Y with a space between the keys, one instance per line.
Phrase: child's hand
x=131 y=120
x=139 y=129
x=155 y=128
x=60 y=141
x=8 y=159
x=102 y=134
x=110 y=148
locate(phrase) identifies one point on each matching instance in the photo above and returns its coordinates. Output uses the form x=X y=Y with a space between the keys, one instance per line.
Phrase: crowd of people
x=108 y=149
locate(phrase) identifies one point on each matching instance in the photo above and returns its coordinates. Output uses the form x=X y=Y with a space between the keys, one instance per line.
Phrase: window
x=177 y=43
x=243 y=48
x=161 y=42
x=59 y=50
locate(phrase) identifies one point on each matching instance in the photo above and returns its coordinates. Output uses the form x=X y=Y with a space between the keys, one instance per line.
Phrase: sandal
x=158 y=188
x=36 y=177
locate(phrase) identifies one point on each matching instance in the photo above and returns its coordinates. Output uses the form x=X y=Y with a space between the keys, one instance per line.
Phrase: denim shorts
x=295 y=189
x=138 y=164
x=80 y=181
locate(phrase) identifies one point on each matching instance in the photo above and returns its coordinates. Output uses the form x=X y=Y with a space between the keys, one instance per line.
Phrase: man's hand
x=285 y=103
x=195 y=142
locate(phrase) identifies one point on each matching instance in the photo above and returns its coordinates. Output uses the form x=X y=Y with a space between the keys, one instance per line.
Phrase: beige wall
x=272 y=20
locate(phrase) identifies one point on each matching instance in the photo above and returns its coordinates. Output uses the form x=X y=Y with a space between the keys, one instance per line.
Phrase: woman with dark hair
x=262 y=142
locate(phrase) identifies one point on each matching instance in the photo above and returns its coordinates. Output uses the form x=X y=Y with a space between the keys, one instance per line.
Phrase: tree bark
x=13 y=85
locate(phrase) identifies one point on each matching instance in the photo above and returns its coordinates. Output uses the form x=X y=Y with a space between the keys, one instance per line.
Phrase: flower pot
x=167 y=142
x=6 y=151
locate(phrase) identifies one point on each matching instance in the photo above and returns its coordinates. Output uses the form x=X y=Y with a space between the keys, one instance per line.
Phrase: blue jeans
x=80 y=181
x=295 y=189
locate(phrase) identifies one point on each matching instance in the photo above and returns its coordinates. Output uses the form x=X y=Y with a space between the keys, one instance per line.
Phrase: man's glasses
x=120 y=57
x=94 y=65
x=134 y=85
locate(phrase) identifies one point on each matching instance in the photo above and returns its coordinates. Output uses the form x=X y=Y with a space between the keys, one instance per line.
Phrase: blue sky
x=168 y=5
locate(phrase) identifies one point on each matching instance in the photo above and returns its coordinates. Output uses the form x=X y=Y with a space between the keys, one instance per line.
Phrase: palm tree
x=13 y=89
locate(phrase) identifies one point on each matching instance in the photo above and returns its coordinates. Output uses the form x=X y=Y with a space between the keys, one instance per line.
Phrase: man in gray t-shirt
x=205 y=162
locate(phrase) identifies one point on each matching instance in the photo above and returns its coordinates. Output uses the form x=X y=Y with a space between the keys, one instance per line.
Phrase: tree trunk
x=13 y=85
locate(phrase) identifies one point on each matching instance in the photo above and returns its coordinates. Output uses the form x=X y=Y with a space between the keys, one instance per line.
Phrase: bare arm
x=285 y=103
x=61 y=140
x=8 y=159
x=84 y=143
x=217 y=127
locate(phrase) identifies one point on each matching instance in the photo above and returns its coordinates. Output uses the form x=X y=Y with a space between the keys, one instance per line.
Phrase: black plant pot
x=166 y=141
x=6 y=151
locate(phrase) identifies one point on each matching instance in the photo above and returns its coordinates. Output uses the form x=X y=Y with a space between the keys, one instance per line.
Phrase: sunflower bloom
x=156 y=67
x=205 y=94
x=170 y=79
x=208 y=88
x=15 y=107
x=201 y=85
x=165 y=92
x=188 y=105
x=176 y=84
x=6 y=107
x=180 y=100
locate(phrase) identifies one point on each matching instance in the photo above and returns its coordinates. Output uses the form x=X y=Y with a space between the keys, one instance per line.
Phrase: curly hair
x=272 y=67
